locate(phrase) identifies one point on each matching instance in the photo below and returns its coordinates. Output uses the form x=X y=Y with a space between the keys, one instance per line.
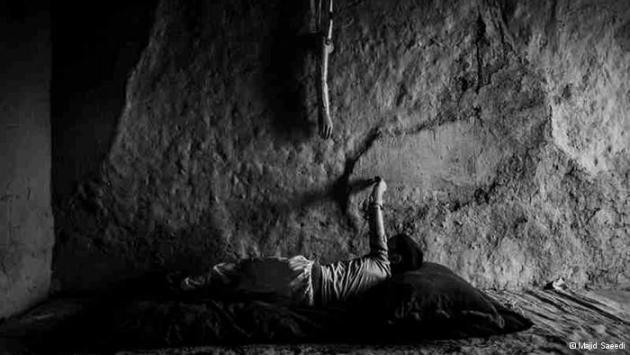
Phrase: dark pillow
x=433 y=302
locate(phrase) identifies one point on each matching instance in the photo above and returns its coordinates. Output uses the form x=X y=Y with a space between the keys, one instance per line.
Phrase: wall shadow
x=95 y=46
x=289 y=68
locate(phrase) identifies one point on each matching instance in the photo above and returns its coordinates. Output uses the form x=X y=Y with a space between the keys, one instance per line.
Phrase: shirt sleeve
x=378 y=246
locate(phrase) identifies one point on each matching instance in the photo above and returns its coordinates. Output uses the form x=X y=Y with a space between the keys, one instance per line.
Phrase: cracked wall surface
x=26 y=224
x=500 y=127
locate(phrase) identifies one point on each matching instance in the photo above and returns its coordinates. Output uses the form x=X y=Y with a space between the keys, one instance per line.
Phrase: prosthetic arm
x=325 y=122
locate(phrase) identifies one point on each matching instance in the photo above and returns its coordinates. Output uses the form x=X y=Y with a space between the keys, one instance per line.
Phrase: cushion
x=433 y=302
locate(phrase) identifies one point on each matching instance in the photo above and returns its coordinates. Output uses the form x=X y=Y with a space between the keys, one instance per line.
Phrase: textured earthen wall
x=26 y=224
x=500 y=126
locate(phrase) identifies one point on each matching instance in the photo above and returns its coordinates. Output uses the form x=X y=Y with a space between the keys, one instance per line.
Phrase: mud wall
x=500 y=126
x=26 y=225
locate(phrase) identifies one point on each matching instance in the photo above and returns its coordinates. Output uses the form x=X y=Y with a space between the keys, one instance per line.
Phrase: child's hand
x=379 y=189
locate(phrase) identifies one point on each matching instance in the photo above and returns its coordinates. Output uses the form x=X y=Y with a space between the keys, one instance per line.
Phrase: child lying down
x=301 y=281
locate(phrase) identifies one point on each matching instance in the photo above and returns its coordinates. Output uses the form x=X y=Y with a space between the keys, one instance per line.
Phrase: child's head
x=404 y=253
